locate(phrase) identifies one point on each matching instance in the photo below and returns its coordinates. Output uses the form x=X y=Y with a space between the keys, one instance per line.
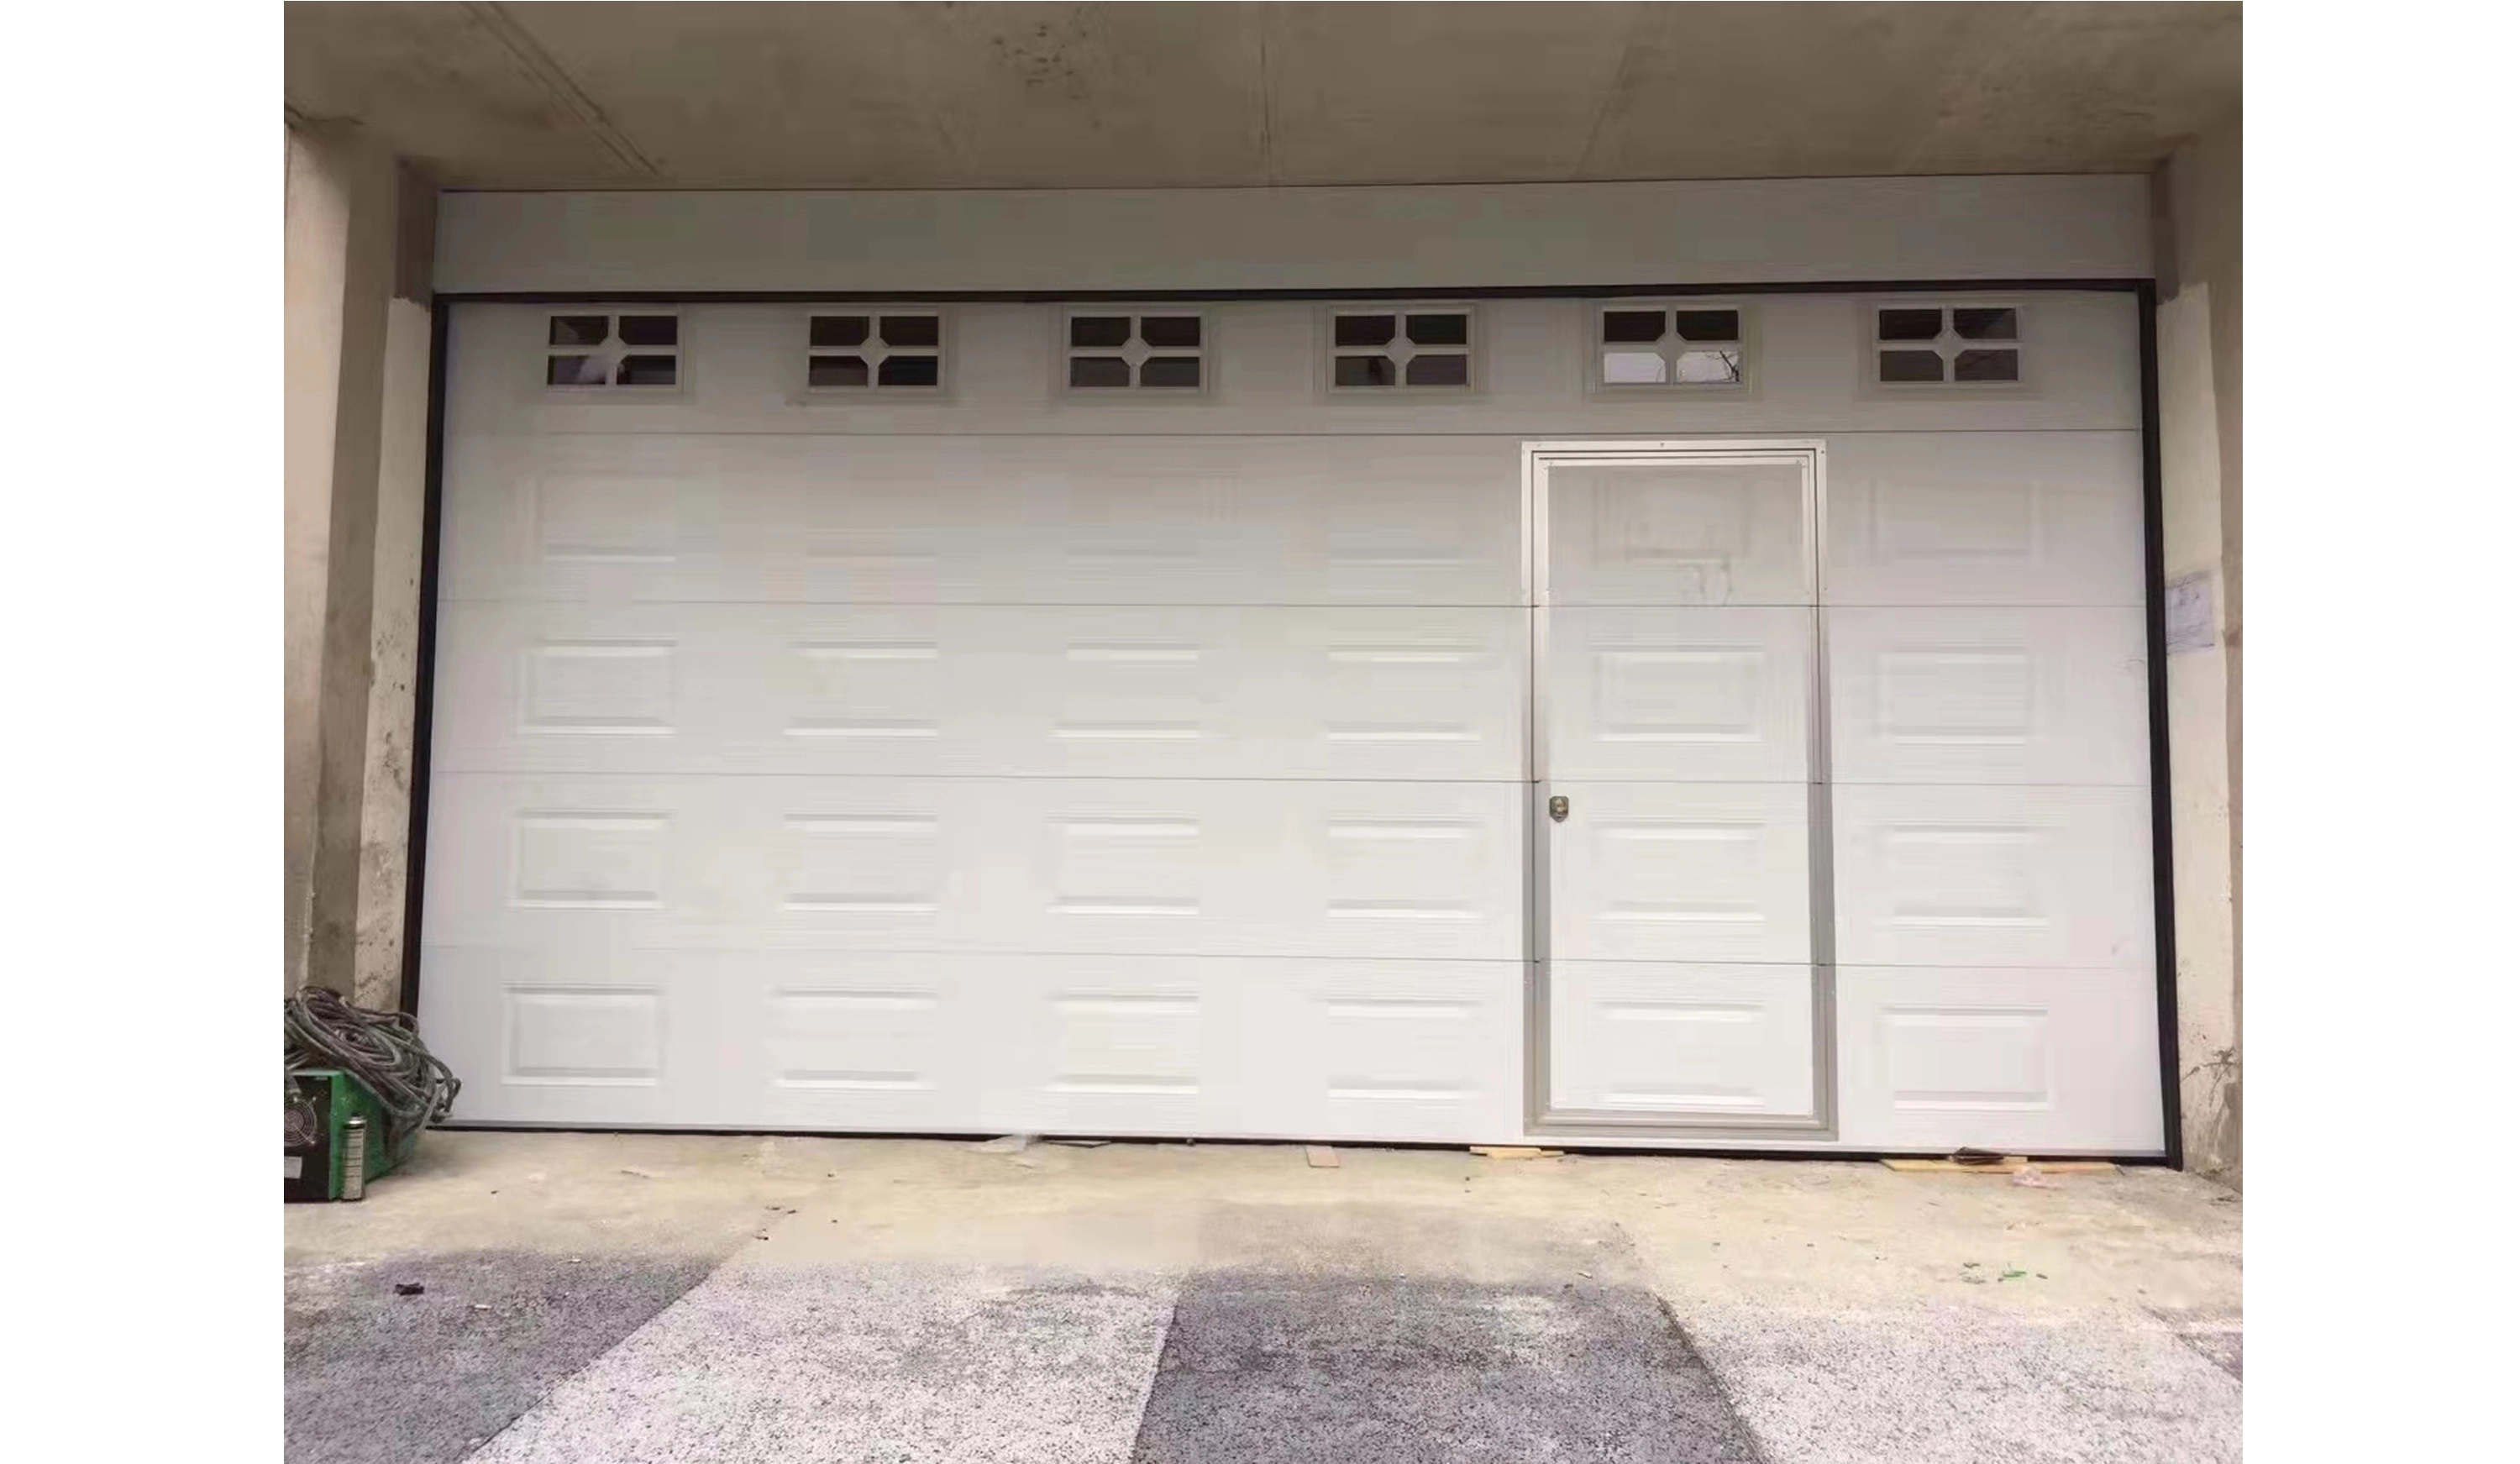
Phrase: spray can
x=354 y=1158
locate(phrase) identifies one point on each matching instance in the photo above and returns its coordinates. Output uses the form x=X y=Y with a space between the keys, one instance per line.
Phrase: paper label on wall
x=2191 y=607
x=297 y=1165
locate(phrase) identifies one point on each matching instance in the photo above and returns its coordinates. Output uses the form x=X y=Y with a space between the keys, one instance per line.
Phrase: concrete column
x=2197 y=214
x=355 y=276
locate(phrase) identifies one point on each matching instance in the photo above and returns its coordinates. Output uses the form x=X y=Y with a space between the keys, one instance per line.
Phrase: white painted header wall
x=2079 y=227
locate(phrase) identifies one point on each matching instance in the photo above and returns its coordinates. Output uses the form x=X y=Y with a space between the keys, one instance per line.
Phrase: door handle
x=1558 y=809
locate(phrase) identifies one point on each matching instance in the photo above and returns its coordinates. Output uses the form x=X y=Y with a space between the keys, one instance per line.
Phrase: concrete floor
x=669 y=1296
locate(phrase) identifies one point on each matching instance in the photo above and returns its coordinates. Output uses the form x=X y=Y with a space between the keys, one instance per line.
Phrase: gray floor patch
x=902 y=1365
x=1263 y=1368
x=1959 y=1384
x=376 y=1378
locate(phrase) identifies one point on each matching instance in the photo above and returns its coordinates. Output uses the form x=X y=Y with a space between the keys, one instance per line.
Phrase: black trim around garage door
x=2157 y=672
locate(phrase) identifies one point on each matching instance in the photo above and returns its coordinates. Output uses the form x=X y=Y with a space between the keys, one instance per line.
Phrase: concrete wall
x=1543 y=235
x=2197 y=227
x=357 y=232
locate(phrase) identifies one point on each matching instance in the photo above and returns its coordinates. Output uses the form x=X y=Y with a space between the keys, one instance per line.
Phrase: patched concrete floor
x=658 y=1297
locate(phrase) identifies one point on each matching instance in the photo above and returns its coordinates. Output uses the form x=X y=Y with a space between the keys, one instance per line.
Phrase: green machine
x=357 y=1088
x=337 y=1136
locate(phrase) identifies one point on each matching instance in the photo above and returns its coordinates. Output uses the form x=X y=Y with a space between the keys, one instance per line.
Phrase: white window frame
x=1670 y=347
x=1136 y=351
x=610 y=351
x=875 y=389
x=1947 y=343
x=1402 y=350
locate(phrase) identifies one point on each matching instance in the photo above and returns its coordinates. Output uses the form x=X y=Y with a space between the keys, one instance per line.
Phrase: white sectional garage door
x=995 y=756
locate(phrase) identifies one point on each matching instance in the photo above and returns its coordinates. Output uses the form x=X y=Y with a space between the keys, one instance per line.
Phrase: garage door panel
x=1402 y=1051
x=1993 y=876
x=1988 y=695
x=1144 y=692
x=988 y=520
x=1678 y=1039
x=1998 y=1058
x=1678 y=693
x=1011 y=864
x=2018 y=518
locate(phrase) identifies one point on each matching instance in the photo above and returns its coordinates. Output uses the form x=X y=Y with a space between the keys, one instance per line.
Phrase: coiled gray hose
x=381 y=1049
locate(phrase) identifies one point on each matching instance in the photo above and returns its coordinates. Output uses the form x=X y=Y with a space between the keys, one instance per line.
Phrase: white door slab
x=1673 y=812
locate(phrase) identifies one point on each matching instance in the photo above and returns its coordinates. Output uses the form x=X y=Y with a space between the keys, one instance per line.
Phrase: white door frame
x=1538 y=458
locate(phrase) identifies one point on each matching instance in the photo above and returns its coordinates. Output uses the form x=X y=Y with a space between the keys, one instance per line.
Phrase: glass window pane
x=1173 y=331
x=1708 y=325
x=1099 y=330
x=1632 y=368
x=1364 y=370
x=1711 y=368
x=1097 y=371
x=1363 y=330
x=1987 y=365
x=1169 y=371
x=580 y=329
x=574 y=371
x=1912 y=366
x=649 y=329
x=1632 y=326
x=1448 y=328
x=910 y=330
x=1912 y=325
x=836 y=371
x=1986 y=325
x=1440 y=370
x=646 y=371
x=829 y=331
x=906 y=370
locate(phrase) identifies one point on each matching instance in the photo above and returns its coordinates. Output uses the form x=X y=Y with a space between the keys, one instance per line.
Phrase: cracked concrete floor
x=664 y=1297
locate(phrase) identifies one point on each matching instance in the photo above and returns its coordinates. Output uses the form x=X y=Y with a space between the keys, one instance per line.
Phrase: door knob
x=1558 y=807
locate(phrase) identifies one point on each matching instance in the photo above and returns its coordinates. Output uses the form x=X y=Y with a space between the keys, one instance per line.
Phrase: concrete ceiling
x=603 y=95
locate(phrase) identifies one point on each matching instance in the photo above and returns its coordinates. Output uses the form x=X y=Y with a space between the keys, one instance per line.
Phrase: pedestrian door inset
x=1680 y=845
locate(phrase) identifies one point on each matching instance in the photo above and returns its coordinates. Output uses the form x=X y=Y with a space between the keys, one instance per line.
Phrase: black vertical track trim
x=423 y=684
x=2156 y=619
x=2157 y=678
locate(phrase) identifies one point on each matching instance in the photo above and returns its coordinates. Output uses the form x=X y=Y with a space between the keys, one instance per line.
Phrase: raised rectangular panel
x=1404 y=868
x=1126 y=1042
x=1133 y=866
x=600 y=688
x=871 y=688
x=1988 y=695
x=2011 y=519
x=865 y=863
x=1401 y=869
x=1956 y=876
x=1395 y=692
x=584 y=1035
x=1680 y=873
x=1398 y=1049
x=1359 y=1047
x=1683 y=695
x=605 y=517
x=1961 y=1059
x=855 y=1038
x=1679 y=1040
x=590 y=859
x=2001 y=1057
x=1132 y=690
x=1398 y=692
x=1678 y=533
